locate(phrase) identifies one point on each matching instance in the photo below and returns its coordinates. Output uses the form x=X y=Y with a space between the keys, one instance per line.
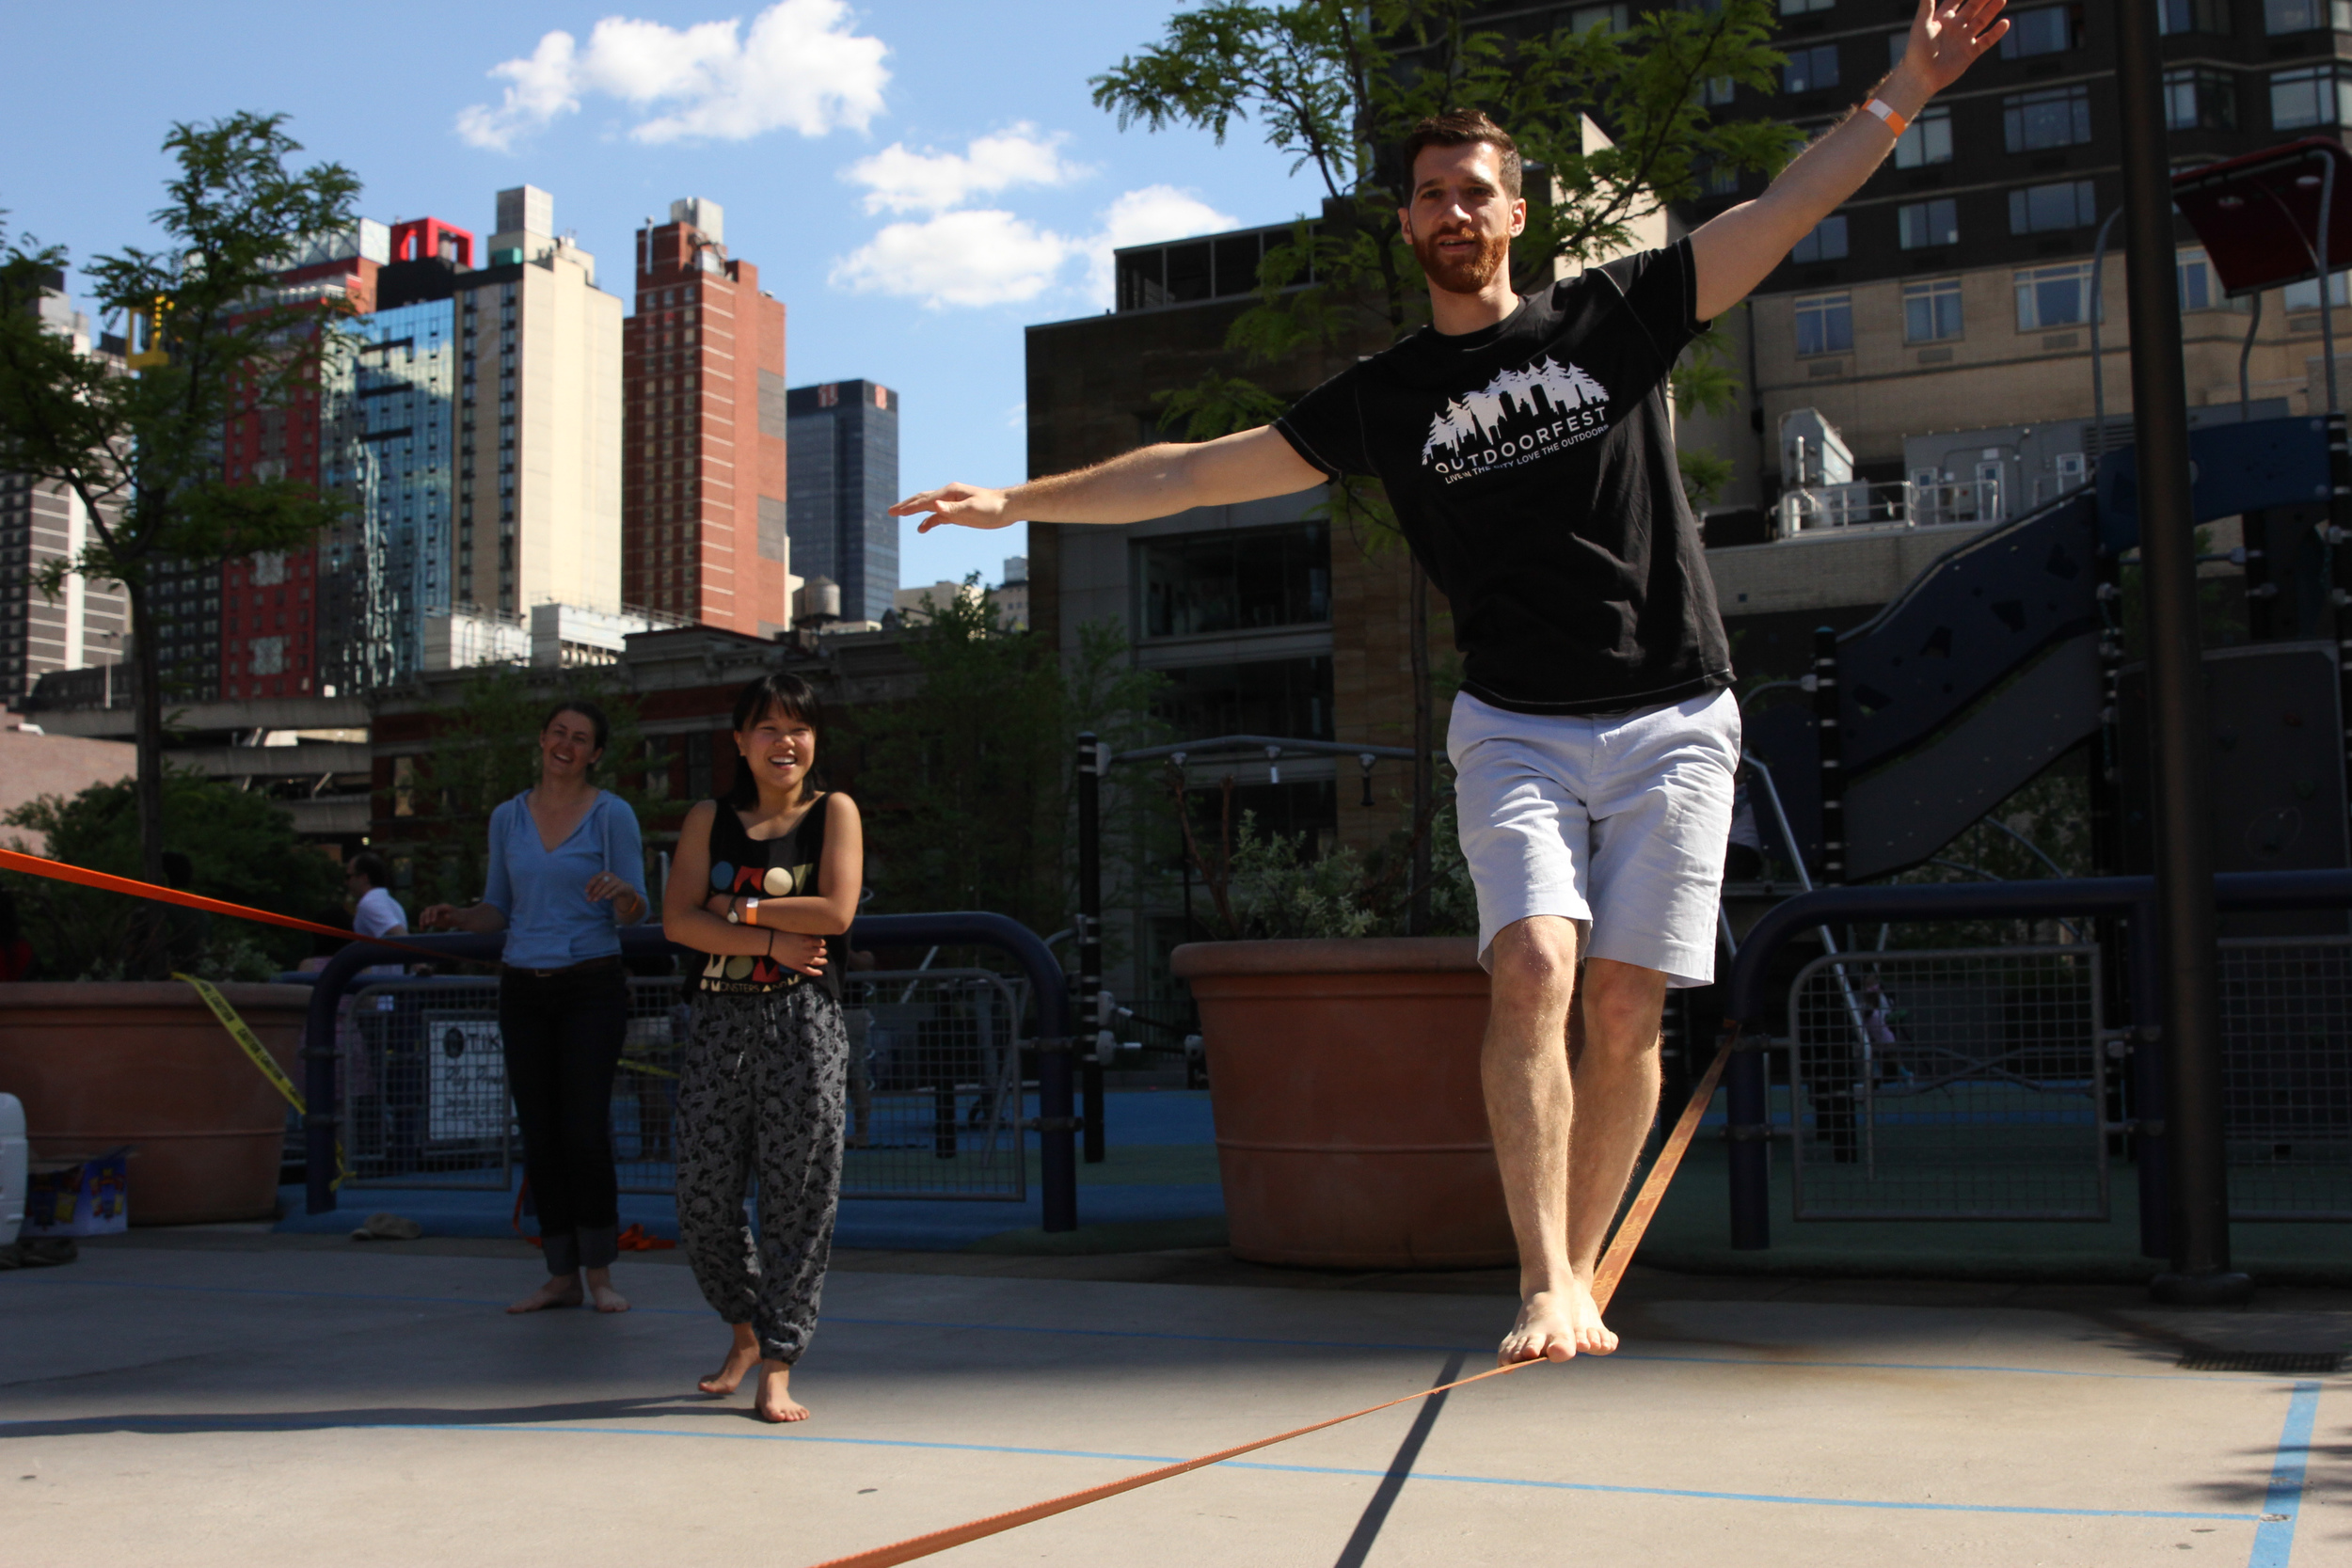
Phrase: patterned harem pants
x=761 y=1092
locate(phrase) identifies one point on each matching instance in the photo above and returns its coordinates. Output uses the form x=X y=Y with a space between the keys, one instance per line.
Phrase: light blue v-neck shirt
x=550 y=922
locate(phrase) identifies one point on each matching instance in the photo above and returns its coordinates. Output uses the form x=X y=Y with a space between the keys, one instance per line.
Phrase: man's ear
x=1518 y=217
x=1405 y=223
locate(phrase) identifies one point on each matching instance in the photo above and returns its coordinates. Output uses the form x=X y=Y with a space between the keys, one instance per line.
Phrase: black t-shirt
x=783 y=867
x=1531 y=466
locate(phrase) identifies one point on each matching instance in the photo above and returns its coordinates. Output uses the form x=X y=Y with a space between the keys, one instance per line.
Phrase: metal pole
x=2327 y=279
x=1830 y=745
x=2180 y=792
x=2147 y=1075
x=1090 y=1008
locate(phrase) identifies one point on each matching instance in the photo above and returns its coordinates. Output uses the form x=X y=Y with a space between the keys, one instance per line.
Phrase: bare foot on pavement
x=773 y=1402
x=742 y=1356
x=560 y=1290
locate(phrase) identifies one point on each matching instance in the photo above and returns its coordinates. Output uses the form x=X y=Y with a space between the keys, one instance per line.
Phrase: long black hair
x=777 y=691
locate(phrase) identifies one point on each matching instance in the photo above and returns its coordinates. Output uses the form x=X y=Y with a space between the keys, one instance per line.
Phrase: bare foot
x=771 y=1402
x=742 y=1355
x=1554 y=1325
x=560 y=1290
x=601 y=1291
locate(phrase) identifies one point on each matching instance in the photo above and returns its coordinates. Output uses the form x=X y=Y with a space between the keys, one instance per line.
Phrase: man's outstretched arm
x=1736 y=250
x=1150 y=481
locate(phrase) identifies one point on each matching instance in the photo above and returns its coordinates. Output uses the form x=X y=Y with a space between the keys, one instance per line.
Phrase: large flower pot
x=101 y=1064
x=1351 y=1131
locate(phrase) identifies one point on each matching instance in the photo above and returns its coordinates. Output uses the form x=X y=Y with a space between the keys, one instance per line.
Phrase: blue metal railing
x=1748 y=1080
x=1057 y=1123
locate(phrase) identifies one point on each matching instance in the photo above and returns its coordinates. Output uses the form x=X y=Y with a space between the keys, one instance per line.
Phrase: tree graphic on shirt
x=1565 y=389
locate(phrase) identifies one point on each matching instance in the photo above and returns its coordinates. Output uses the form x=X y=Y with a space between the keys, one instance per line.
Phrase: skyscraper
x=40 y=522
x=845 y=479
x=269 y=639
x=704 y=531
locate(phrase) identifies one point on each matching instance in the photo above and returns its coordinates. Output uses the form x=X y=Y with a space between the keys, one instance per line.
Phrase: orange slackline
x=1605 y=1280
x=35 y=866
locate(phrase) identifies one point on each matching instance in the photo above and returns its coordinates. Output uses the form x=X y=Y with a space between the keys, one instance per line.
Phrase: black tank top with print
x=781 y=867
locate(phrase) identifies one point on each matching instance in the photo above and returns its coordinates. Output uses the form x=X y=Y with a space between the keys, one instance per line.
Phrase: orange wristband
x=1885 y=111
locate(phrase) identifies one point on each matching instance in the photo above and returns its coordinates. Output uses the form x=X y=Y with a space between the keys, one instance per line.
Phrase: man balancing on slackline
x=1526 y=449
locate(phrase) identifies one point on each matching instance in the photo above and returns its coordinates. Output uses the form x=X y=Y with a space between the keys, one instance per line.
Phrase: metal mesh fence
x=1955 y=1085
x=935 y=1100
x=2286 y=1026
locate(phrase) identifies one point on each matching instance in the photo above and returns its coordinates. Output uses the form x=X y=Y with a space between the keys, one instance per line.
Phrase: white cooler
x=14 y=1154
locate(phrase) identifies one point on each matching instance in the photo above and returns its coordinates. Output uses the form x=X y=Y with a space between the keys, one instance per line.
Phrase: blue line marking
x=2274 y=1538
x=2239 y=1379
x=1682 y=1493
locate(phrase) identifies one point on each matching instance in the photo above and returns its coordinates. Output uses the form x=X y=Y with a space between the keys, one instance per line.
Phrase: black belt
x=586 y=966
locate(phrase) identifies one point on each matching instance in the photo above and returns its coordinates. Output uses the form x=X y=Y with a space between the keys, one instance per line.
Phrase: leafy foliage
x=968 y=787
x=241 y=847
x=141 y=451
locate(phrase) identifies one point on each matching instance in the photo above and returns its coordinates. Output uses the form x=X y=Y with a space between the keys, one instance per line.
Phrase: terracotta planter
x=1344 y=1074
x=103 y=1064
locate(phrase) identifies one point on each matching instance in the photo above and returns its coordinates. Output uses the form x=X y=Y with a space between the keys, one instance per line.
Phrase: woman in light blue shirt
x=567 y=872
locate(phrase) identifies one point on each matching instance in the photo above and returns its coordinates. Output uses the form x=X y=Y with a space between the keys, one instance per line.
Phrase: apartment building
x=844 y=439
x=40 y=522
x=707 y=534
x=1955 y=289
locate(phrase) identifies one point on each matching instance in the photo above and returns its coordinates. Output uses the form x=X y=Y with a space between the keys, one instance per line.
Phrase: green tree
x=240 y=846
x=485 y=751
x=1337 y=84
x=968 y=786
x=142 y=451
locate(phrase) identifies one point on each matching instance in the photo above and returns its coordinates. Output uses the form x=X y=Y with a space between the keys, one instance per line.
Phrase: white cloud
x=800 y=67
x=898 y=180
x=980 y=257
x=1140 y=217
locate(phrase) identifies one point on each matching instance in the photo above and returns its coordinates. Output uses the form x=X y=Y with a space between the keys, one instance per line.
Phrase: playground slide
x=1984 y=670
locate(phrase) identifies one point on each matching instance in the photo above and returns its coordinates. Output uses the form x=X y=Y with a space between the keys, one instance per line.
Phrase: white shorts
x=1615 y=822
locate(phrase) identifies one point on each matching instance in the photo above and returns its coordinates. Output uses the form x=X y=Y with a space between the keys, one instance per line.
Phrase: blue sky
x=916 y=179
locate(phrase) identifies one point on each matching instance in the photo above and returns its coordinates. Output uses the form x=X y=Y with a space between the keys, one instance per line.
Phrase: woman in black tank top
x=765 y=884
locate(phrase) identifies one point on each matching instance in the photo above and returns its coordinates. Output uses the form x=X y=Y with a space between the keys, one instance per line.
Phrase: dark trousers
x=563 y=1037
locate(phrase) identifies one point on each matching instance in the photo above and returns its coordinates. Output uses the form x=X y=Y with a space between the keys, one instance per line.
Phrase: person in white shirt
x=377 y=913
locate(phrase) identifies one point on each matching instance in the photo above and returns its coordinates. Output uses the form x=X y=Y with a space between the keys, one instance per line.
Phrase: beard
x=1468 y=275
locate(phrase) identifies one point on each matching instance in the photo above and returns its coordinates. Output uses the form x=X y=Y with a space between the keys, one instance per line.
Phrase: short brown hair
x=1463 y=128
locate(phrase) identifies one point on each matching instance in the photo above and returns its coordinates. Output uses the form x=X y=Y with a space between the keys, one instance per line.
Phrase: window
x=1290 y=696
x=2305 y=296
x=1802 y=7
x=2054 y=296
x=2201 y=289
x=1896 y=44
x=1825 y=242
x=1932 y=311
x=1925 y=140
x=1609 y=19
x=1921 y=224
x=1718 y=91
x=2197 y=100
x=2039 y=209
x=2306 y=16
x=2192 y=16
x=2060 y=116
x=1810 y=69
x=2316 y=95
x=1825 y=323
x=1236 y=581
x=2050 y=30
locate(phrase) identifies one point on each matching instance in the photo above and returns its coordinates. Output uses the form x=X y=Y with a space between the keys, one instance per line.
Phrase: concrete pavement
x=220 y=1396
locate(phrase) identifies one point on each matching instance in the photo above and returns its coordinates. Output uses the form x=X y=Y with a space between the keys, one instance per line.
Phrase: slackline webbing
x=1605 y=1280
x=36 y=865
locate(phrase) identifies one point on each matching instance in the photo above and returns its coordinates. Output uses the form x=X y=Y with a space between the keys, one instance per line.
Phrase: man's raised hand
x=971 y=505
x=1948 y=36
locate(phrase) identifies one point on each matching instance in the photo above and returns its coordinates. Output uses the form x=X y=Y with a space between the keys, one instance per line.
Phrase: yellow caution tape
x=243 y=1034
x=648 y=1069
